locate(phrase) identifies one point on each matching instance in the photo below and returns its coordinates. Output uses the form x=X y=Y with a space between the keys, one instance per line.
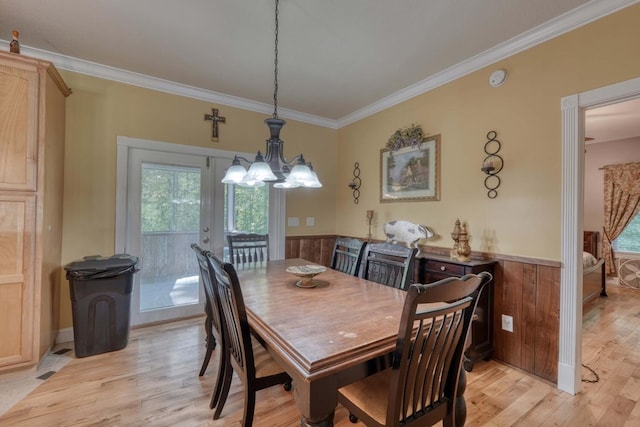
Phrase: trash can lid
x=100 y=263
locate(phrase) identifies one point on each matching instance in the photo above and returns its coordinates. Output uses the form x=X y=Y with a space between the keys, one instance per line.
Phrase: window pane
x=629 y=239
x=169 y=199
x=170 y=220
x=247 y=209
x=156 y=206
x=187 y=199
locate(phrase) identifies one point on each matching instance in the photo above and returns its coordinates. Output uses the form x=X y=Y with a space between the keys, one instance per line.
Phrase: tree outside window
x=246 y=209
x=629 y=239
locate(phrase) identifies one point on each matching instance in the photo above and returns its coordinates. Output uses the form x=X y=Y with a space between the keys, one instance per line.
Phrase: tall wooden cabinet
x=32 y=114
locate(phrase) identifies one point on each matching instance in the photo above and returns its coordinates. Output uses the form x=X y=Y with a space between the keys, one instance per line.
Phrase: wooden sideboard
x=431 y=268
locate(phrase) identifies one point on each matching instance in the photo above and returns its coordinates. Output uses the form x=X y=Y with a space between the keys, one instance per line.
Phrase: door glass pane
x=246 y=210
x=170 y=222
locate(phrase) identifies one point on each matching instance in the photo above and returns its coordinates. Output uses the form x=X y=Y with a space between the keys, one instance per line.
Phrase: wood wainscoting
x=527 y=289
x=318 y=249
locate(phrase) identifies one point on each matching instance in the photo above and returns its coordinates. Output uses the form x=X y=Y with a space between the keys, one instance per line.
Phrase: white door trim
x=570 y=336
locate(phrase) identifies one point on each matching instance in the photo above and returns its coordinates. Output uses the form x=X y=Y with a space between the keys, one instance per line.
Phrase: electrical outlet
x=507 y=323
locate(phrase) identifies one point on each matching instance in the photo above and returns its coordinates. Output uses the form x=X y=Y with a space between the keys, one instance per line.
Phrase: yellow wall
x=99 y=111
x=525 y=217
x=523 y=220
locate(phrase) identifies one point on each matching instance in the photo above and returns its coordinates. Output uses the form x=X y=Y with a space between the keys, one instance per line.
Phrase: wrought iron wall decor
x=355 y=183
x=492 y=164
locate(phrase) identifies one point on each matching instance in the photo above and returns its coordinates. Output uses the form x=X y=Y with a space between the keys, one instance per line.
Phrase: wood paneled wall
x=526 y=289
x=530 y=293
x=316 y=249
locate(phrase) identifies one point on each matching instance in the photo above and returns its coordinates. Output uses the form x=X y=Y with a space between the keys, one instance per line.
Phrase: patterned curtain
x=621 y=204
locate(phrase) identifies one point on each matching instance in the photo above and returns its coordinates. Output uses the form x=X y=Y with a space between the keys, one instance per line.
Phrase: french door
x=169 y=196
x=168 y=208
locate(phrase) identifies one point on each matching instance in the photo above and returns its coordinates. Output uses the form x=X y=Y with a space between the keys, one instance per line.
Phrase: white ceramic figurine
x=407 y=232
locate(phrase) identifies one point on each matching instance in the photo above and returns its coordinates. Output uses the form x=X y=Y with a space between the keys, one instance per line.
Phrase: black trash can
x=101 y=302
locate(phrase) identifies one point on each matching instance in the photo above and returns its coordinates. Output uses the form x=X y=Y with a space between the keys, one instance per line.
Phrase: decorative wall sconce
x=356 y=183
x=492 y=164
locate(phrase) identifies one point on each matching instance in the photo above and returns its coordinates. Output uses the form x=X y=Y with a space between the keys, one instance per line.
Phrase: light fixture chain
x=275 y=72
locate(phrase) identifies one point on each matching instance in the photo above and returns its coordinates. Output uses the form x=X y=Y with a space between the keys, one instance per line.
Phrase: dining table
x=326 y=336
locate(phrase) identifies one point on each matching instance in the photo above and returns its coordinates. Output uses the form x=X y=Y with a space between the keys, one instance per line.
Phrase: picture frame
x=411 y=173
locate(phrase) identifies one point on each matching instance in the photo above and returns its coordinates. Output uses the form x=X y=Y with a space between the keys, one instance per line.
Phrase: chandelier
x=272 y=166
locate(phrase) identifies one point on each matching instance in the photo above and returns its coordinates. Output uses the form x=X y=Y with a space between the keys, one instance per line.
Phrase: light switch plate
x=293 y=221
x=311 y=221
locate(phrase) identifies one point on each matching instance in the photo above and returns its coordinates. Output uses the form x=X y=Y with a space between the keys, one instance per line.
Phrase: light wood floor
x=154 y=381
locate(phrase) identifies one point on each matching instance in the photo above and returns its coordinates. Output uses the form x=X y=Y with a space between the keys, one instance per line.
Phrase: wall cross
x=215 y=119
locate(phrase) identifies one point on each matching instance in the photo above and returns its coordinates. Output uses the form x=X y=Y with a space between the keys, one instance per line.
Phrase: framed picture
x=411 y=173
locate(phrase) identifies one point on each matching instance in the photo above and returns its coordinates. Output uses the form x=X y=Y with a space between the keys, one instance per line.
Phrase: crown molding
x=94 y=69
x=571 y=20
x=564 y=23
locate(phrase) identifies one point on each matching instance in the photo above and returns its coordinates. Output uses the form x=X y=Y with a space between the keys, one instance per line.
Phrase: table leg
x=460 y=404
x=317 y=401
x=325 y=422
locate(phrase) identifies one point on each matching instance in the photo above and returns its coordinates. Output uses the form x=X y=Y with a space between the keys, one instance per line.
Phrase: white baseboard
x=64 y=335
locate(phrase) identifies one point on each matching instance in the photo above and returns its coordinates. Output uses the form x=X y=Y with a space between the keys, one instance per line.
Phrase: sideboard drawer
x=444 y=267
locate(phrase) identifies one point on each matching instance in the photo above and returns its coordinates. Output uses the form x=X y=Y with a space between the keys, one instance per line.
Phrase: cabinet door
x=17 y=224
x=18 y=126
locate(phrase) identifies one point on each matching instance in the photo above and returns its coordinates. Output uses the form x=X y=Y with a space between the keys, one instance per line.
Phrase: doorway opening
x=572 y=225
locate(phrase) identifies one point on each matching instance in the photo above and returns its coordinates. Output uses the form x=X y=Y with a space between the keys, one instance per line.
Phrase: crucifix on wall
x=215 y=119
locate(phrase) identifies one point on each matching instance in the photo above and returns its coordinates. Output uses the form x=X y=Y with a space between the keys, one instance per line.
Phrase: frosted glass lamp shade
x=251 y=183
x=300 y=174
x=260 y=171
x=235 y=174
x=314 y=182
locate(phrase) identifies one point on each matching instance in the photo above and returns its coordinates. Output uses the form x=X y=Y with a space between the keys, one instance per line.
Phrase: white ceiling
x=339 y=60
x=613 y=122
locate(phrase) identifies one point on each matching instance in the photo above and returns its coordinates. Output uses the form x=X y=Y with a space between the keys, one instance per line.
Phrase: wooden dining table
x=325 y=337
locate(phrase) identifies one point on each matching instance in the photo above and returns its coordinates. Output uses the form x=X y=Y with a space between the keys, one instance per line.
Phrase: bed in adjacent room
x=594 y=279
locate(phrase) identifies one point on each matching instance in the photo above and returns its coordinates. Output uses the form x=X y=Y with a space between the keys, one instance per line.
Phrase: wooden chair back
x=211 y=308
x=243 y=351
x=347 y=255
x=389 y=264
x=420 y=388
x=213 y=321
x=427 y=360
x=234 y=314
x=248 y=249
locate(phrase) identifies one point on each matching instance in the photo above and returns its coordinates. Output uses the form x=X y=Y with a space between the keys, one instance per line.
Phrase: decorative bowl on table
x=306 y=273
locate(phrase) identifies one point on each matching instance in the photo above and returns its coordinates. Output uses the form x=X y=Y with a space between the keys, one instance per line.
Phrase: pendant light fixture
x=273 y=167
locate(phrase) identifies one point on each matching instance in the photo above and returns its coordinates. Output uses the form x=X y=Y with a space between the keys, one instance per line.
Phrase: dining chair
x=247 y=249
x=390 y=264
x=213 y=323
x=248 y=358
x=420 y=387
x=347 y=255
